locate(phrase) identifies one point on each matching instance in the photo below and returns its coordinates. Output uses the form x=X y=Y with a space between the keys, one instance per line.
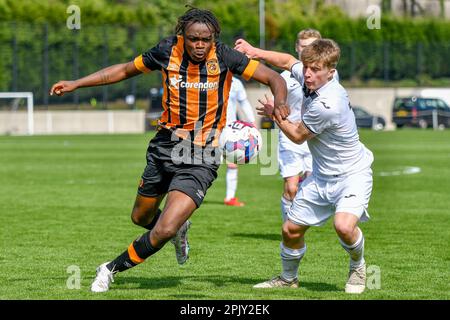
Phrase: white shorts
x=318 y=199
x=292 y=163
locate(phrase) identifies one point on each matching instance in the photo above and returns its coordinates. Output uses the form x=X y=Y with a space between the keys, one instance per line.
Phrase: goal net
x=16 y=113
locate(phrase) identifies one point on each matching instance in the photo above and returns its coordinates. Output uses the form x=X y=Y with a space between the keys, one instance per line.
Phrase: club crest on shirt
x=212 y=66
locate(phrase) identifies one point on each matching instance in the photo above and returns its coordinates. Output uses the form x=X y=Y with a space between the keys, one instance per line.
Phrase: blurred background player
x=238 y=97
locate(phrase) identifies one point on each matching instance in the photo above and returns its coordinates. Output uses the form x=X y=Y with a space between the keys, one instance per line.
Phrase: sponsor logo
x=177 y=82
x=174 y=81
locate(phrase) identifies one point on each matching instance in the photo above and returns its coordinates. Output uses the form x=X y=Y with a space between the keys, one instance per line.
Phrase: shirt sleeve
x=319 y=116
x=297 y=72
x=156 y=58
x=237 y=62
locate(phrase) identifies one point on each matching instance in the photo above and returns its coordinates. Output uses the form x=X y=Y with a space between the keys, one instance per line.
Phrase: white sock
x=356 y=251
x=285 y=206
x=290 y=260
x=232 y=179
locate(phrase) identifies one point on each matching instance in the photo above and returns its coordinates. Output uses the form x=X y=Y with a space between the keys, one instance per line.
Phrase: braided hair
x=194 y=15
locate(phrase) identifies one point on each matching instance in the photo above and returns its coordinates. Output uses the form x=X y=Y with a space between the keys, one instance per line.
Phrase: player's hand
x=62 y=87
x=281 y=112
x=266 y=108
x=243 y=46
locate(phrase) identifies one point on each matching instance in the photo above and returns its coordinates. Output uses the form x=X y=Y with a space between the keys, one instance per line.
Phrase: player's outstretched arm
x=278 y=59
x=108 y=75
x=296 y=132
x=277 y=85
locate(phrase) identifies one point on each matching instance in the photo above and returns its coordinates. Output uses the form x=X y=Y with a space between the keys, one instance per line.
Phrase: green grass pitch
x=65 y=203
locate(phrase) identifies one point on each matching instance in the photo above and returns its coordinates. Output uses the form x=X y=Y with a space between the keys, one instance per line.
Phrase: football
x=240 y=142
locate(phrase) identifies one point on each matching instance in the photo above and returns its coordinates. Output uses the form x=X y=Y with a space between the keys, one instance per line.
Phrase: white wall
x=377 y=101
x=74 y=122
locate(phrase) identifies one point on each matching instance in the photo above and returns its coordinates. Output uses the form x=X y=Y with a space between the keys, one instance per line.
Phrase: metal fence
x=34 y=56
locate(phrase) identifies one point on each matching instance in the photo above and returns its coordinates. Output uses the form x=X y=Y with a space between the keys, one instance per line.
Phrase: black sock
x=151 y=225
x=139 y=250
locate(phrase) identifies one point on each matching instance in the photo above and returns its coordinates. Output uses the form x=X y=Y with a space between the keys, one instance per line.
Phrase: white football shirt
x=294 y=101
x=238 y=95
x=336 y=148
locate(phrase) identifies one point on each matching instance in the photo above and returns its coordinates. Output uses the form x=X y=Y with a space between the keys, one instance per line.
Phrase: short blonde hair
x=308 y=34
x=324 y=51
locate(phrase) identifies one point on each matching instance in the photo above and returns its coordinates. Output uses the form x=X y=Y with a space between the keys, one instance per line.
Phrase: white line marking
x=399 y=171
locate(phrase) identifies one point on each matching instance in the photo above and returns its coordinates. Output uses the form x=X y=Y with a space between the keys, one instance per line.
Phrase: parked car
x=418 y=112
x=366 y=120
x=267 y=123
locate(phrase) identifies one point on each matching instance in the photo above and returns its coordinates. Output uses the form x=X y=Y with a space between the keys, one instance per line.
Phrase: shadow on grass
x=320 y=286
x=216 y=280
x=259 y=236
x=206 y=202
x=170 y=282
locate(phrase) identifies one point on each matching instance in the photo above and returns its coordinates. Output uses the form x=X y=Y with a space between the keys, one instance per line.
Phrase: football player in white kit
x=238 y=96
x=341 y=180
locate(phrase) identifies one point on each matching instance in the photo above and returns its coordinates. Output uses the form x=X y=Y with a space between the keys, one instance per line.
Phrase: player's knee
x=137 y=219
x=344 y=230
x=290 y=190
x=164 y=233
x=289 y=234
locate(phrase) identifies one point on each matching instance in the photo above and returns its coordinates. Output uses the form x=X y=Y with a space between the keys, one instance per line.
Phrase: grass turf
x=66 y=201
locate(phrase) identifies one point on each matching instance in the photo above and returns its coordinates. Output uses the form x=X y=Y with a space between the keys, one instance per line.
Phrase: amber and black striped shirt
x=195 y=94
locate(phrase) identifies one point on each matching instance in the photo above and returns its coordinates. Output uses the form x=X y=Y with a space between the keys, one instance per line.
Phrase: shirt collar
x=309 y=94
x=316 y=93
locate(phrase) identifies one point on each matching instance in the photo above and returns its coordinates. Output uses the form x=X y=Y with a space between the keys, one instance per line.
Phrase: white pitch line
x=401 y=171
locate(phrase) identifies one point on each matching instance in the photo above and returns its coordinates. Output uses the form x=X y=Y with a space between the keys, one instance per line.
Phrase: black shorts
x=176 y=164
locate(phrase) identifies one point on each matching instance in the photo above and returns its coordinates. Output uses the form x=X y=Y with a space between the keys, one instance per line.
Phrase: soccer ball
x=240 y=142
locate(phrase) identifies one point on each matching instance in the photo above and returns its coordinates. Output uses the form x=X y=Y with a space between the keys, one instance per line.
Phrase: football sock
x=285 y=206
x=231 y=179
x=356 y=251
x=151 y=225
x=139 y=250
x=290 y=260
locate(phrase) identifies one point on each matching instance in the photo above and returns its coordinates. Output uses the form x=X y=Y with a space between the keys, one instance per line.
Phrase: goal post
x=30 y=106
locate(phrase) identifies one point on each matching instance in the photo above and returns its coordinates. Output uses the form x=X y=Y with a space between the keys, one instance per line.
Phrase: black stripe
x=308 y=127
x=223 y=77
x=203 y=99
x=183 y=92
x=167 y=88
